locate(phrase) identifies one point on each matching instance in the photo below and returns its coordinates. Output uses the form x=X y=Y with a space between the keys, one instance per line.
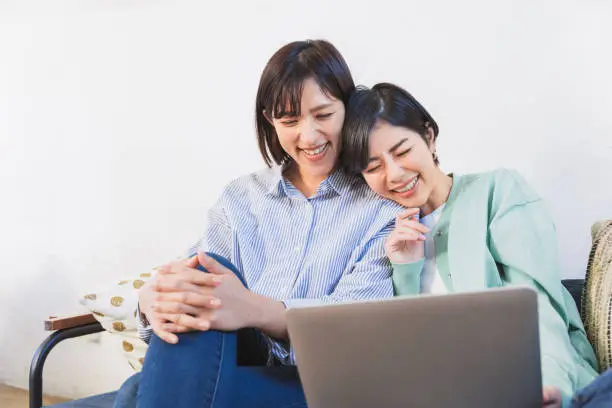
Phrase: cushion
x=597 y=295
x=115 y=308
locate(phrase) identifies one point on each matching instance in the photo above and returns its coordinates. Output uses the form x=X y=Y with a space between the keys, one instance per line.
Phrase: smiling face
x=401 y=166
x=312 y=139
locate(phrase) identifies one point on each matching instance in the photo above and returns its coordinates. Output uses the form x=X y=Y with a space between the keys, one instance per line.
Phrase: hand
x=551 y=397
x=406 y=244
x=177 y=293
x=239 y=307
x=189 y=299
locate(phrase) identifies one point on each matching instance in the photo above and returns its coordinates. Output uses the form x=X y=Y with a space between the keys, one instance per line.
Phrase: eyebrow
x=320 y=107
x=313 y=110
x=391 y=150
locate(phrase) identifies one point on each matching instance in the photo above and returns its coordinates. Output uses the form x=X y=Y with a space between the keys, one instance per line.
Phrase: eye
x=289 y=122
x=324 y=116
x=372 y=169
x=405 y=152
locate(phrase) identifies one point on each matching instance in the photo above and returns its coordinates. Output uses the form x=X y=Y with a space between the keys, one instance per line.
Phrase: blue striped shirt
x=303 y=250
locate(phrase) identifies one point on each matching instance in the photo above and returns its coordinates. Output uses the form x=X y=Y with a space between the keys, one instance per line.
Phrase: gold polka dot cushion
x=115 y=308
x=597 y=294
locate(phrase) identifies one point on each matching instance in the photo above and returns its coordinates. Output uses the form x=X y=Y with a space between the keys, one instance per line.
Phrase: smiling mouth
x=316 y=151
x=407 y=187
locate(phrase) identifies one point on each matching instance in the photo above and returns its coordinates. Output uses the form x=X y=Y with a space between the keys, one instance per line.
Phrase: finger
x=191 y=262
x=174 y=307
x=551 y=396
x=212 y=265
x=195 y=323
x=165 y=335
x=408 y=213
x=189 y=298
x=195 y=276
x=175 y=328
x=164 y=269
x=182 y=283
x=415 y=225
x=181 y=266
x=409 y=235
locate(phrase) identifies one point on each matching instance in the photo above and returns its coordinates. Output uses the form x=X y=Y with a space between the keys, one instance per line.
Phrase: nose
x=394 y=171
x=308 y=131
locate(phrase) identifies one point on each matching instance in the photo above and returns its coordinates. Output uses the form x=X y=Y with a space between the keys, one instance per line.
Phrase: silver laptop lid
x=472 y=350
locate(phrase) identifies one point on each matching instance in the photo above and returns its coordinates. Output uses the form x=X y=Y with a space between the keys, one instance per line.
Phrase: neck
x=439 y=195
x=306 y=183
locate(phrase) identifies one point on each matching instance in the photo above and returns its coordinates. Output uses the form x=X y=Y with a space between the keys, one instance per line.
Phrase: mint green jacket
x=492 y=219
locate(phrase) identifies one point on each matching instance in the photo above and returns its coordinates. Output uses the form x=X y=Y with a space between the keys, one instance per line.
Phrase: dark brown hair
x=280 y=88
x=387 y=103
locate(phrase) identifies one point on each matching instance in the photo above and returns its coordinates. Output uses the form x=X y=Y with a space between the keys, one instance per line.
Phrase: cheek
x=286 y=138
x=376 y=183
x=333 y=128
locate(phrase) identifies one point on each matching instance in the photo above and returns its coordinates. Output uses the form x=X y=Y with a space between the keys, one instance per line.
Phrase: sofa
x=593 y=297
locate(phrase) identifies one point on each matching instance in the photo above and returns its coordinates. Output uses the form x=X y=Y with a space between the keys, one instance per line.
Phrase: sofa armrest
x=65 y=328
x=59 y=323
x=575 y=287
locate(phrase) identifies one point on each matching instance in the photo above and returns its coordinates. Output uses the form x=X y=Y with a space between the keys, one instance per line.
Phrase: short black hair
x=280 y=88
x=384 y=102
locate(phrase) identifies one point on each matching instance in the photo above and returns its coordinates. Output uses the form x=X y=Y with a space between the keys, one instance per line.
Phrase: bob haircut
x=281 y=83
x=383 y=103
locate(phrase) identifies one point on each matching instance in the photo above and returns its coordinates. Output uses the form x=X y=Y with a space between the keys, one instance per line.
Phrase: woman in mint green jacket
x=464 y=233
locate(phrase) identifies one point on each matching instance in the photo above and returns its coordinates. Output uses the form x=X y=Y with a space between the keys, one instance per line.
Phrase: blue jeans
x=202 y=371
x=598 y=394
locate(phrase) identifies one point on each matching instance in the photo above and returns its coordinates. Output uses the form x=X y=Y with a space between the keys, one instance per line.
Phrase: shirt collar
x=338 y=182
x=277 y=181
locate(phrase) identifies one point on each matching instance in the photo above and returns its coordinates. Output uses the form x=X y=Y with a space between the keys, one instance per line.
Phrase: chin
x=323 y=168
x=411 y=202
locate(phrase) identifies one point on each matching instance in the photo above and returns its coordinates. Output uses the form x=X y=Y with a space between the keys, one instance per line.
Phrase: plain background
x=121 y=121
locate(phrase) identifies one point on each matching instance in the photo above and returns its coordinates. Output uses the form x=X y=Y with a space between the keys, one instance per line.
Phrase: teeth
x=409 y=186
x=315 y=151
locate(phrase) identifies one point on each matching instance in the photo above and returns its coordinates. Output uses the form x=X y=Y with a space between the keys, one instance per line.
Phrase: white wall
x=120 y=121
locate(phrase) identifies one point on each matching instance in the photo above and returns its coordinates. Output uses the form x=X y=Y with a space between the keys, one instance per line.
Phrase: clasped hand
x=181 y=298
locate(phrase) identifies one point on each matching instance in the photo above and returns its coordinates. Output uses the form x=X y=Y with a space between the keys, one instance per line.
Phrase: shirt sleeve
x=523 y=241
x=407 y=278
x=217 y=238
x=368 y=278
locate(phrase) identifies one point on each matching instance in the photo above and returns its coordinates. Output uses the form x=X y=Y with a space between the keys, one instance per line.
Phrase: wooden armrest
x=58 y=323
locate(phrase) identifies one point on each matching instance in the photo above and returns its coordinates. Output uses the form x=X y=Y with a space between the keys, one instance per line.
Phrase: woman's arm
x=522 y=239
x=407 y=278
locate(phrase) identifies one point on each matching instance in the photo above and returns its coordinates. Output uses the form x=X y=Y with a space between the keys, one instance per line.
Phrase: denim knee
x=225 y=262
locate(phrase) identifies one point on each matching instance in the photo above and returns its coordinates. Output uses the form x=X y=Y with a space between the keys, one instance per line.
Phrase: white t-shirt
x=431 y=282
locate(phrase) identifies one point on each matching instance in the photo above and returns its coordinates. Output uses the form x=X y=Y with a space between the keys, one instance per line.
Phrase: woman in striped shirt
x=301 y=232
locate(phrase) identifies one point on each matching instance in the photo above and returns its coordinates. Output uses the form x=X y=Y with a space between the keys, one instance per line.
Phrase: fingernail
x=203 y=325
x=215 y=302
x=217 y=279
x=422 y=237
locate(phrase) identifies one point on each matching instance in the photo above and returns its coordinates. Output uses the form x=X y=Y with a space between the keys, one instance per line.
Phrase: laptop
x=467 y=350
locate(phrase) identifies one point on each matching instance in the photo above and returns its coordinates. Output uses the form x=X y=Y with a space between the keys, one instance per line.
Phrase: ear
x=268 y=117
x=430 y=137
